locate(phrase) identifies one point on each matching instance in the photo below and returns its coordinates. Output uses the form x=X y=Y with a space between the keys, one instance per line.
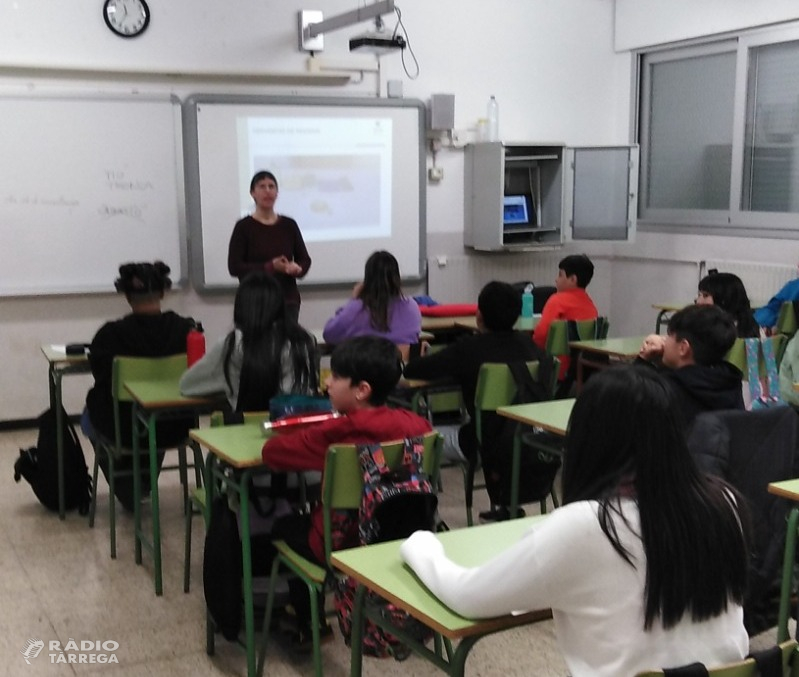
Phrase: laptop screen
x=515 y=210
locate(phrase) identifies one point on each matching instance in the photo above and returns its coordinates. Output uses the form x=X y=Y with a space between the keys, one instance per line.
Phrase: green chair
x=197 y=500
x=786 y=320
x=496 y=388
x=748 y=667
x=737 y=354
x=558 y=336
x=126 y=369
x=342 y=487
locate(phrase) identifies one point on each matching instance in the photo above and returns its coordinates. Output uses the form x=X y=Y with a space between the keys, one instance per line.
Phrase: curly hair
x=143 y=278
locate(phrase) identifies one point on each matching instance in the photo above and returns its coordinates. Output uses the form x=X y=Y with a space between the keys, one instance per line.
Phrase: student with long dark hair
x=264 y=355
x=645 y=564
x=377 y=307
x=727 y=291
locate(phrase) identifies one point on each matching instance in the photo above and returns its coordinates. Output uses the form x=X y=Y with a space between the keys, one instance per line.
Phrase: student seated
x=692 y=354
x=644 y=565
x=727 y=291
x=146 y=332
x=377 y=307
x=570 y=302
x=264 y=355
x=498 y=308
x=767 y=315
x=364 y=371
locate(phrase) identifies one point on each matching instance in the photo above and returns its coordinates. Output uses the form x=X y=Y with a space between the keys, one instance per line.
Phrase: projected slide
x=334 y=174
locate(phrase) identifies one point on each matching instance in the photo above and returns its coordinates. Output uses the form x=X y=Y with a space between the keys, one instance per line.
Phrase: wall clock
x=126 y=18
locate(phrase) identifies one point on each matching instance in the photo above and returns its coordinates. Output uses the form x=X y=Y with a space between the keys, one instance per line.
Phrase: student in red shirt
x=364 y=371
x=570 y=302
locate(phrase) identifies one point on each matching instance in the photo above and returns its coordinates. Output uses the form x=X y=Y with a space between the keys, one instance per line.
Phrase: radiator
x=762 y=280
x=459 y=279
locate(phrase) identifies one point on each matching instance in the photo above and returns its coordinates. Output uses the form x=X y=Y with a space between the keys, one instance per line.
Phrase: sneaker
x=302 y=639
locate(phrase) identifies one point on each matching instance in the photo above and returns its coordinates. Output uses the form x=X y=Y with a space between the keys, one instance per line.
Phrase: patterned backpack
x=395 y=503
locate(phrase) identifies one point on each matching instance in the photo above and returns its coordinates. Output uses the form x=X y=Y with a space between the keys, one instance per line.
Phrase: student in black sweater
x=692 y=356
x=498 y=308
x=146 y=332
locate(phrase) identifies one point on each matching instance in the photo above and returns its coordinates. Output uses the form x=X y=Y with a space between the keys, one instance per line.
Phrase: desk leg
x=515 y=471
x=356 y=636
x=210 y=486
x=154 y=502
x=246 y=565
x=56 y=404
x=787 y=575
x=136 y=484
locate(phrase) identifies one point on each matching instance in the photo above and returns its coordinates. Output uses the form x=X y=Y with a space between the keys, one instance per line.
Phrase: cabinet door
x=601 y=193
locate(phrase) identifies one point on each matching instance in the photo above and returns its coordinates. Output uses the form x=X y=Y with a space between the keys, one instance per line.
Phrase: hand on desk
x=652 y=347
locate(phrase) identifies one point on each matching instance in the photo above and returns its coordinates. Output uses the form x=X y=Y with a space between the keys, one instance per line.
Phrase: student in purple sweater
x=271 y=242
x=377 y=308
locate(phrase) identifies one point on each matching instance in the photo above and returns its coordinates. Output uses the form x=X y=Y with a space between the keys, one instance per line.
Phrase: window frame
x=732 y=221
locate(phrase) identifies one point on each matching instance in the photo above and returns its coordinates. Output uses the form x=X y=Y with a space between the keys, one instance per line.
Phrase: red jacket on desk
x=306 y=449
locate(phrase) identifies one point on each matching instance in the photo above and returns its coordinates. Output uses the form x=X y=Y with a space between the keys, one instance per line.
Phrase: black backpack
x=39 y=466
x=538 y=468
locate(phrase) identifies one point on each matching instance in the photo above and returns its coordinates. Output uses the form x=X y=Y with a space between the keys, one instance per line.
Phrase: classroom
x=566 y=73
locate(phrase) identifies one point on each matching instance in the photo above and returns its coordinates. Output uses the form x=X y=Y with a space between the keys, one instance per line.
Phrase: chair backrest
x=342 y=483
x=786 y=320
x=748 y=667
x=558 y=334
x=127 y=368
x=737 y=354
x=496 y=387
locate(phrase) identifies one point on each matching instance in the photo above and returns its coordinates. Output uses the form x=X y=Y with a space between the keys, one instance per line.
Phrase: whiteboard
x=350 y=171
x=86 y=183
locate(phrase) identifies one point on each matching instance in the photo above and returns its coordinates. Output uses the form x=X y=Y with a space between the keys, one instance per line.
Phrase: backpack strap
x=772 y=376
x=753 y=367
x=373 y=462
x=528 y=390
x=769 y=661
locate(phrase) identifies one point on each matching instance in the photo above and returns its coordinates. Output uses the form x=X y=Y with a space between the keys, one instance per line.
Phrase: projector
x=377 y=43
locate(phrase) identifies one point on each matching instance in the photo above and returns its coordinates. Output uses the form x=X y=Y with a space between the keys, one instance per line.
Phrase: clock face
x=126 y=18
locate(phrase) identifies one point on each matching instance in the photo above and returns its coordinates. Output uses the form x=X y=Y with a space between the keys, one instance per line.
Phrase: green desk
x=552 y=416
x=380 y=569
x=238 y=448
x=618 y=349
x=522 y=324
x=665 y=311
x=154 y=400
x=787 y=489
x=59 y=365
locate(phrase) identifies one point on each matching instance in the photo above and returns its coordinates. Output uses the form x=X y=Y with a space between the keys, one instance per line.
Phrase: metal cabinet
x=531 y=196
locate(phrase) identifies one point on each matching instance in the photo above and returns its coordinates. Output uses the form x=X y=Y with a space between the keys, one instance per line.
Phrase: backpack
x=39 y=466
x=395 y=503
x=537 y=468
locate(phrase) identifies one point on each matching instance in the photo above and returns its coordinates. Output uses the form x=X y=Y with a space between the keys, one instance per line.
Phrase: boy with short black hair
x=498 y=308
x=364 y=371
x=570 y=302
x=693 y=351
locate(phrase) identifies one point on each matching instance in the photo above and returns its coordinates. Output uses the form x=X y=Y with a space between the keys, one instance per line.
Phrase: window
x=719 y=133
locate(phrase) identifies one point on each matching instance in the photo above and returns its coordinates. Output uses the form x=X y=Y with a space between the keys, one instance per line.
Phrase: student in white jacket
x=645 y=564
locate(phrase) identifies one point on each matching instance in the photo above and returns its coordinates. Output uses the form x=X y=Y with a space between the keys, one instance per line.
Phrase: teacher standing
x=271 y=242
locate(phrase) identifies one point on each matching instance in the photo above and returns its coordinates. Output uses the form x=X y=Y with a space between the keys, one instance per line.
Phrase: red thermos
x=195 y=344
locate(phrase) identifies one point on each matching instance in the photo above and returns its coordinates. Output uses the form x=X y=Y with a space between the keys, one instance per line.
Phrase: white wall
x=550 y=64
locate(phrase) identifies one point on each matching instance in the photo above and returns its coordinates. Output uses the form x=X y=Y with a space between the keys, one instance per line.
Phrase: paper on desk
x=59 y=348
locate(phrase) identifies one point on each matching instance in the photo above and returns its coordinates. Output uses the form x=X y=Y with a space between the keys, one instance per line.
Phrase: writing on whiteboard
x=129 y=211
x=44 y=201
x=118 y=180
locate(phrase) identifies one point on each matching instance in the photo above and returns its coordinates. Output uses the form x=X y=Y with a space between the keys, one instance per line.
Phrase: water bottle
x=527 y=301
x=492 y=114
x=195 y=344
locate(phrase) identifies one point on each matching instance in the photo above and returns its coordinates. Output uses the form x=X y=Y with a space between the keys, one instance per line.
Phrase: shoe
x=302 y=639
x=499 y=513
